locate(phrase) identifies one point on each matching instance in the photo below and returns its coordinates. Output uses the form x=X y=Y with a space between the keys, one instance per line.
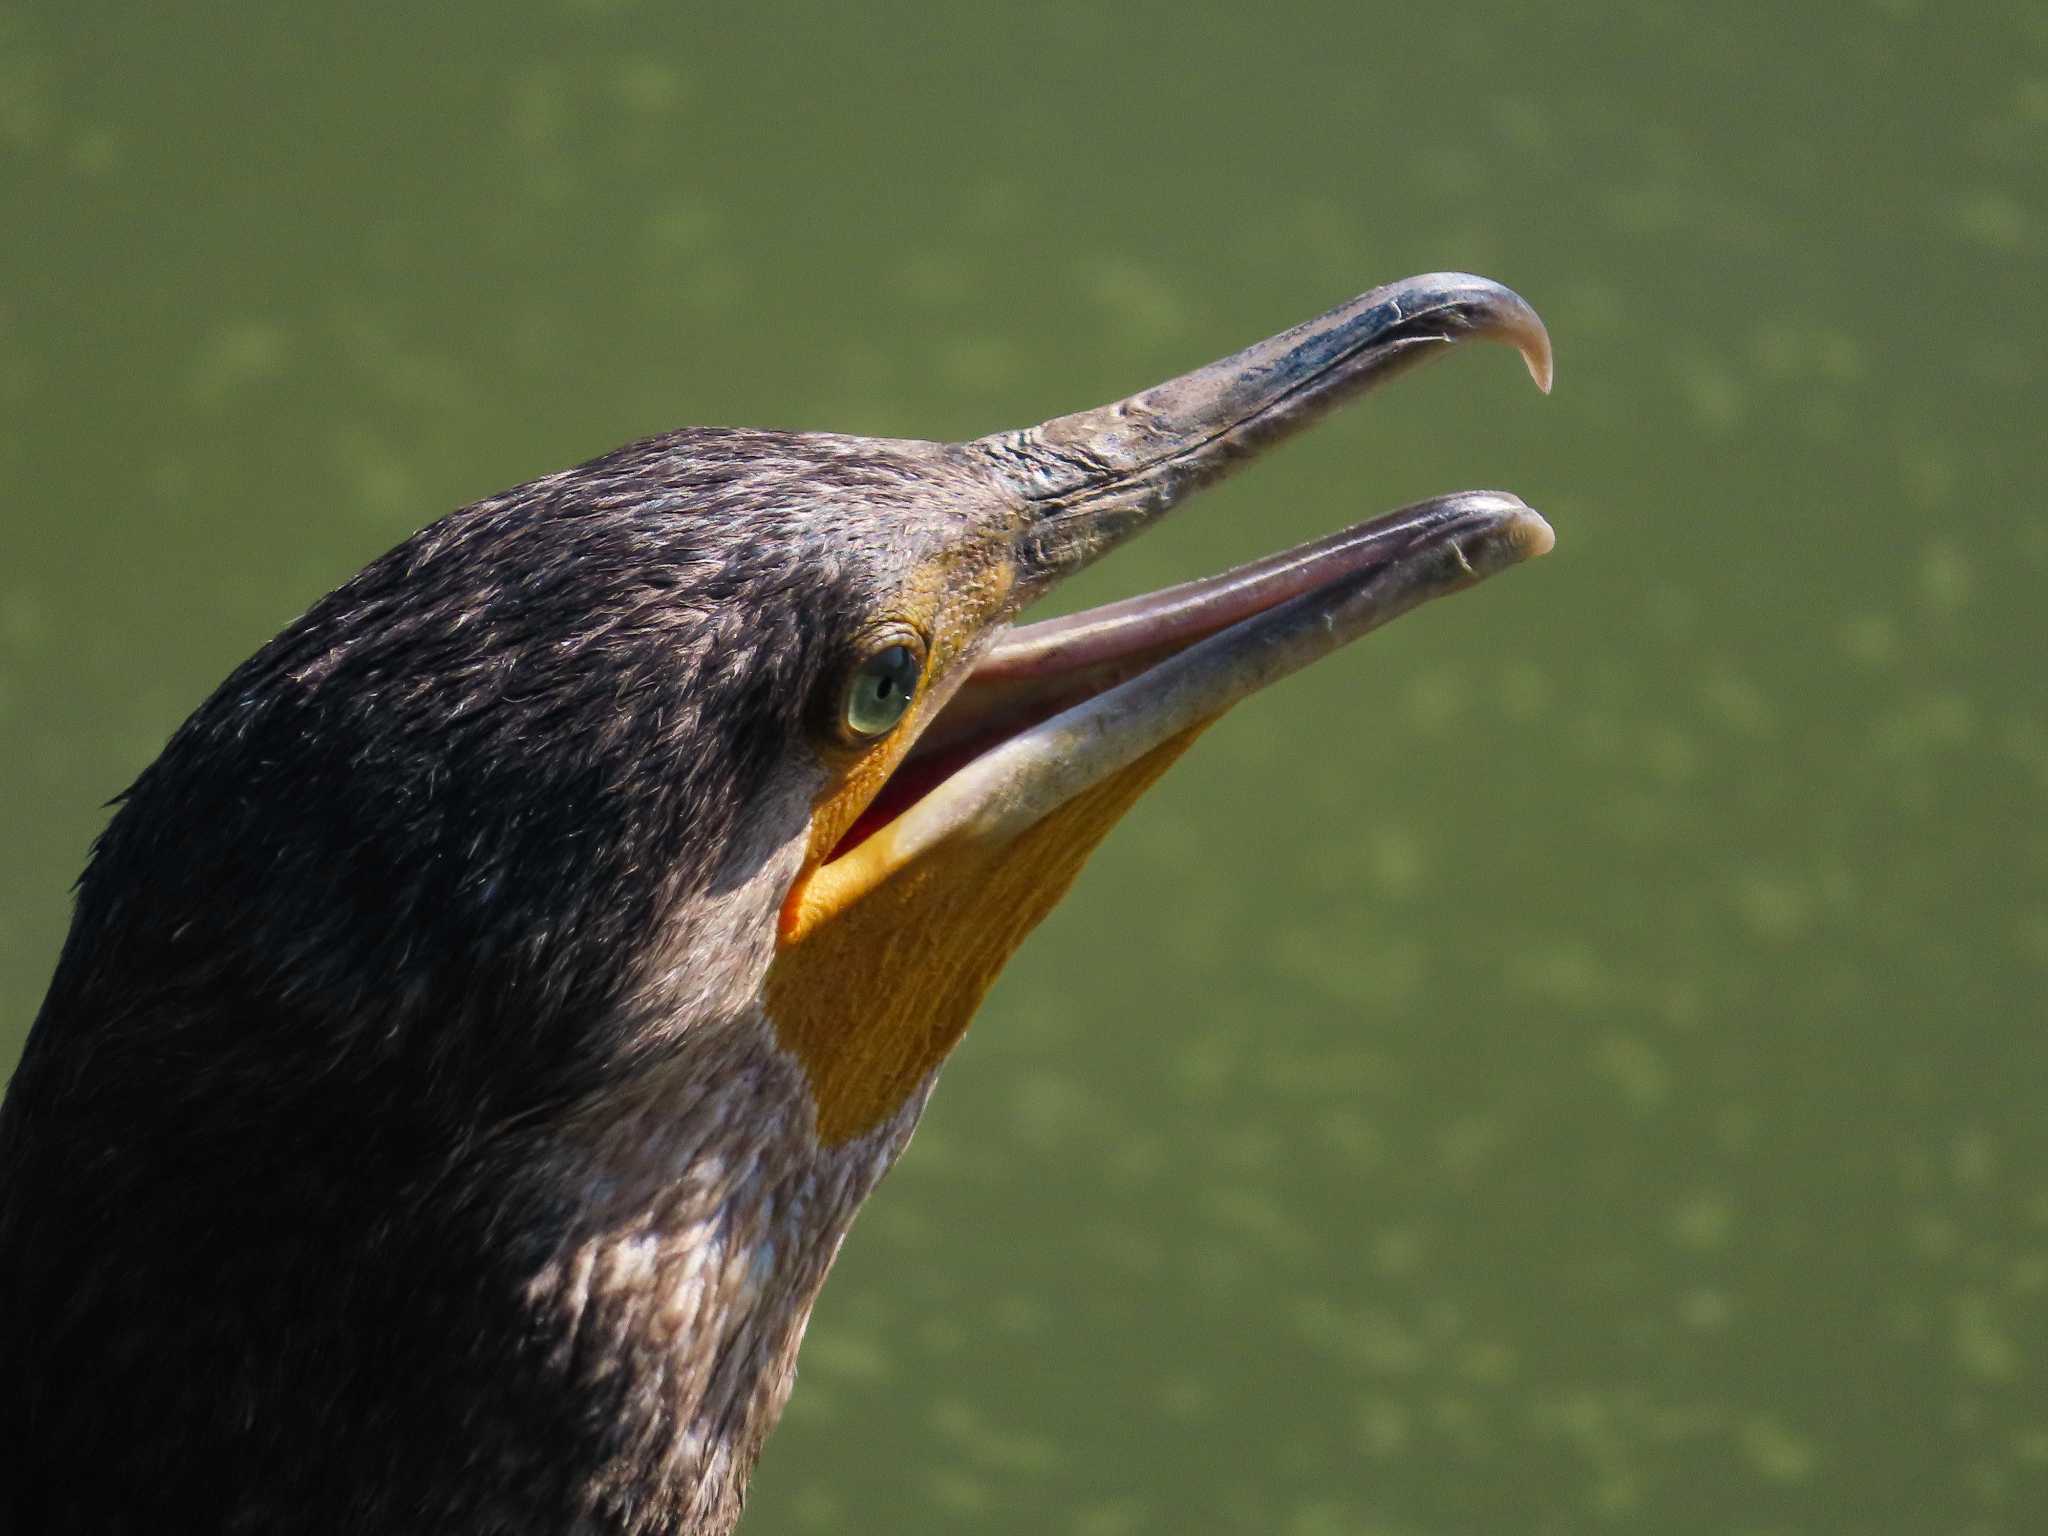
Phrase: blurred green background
x=1574 y=1063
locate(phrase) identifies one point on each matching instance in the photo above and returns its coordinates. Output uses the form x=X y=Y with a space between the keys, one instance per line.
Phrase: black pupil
x=894 y=673
x=887 y=681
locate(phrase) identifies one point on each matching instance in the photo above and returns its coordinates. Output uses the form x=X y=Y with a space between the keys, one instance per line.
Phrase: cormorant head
x=493 y=1003
x=722 y=723
x=937 y=841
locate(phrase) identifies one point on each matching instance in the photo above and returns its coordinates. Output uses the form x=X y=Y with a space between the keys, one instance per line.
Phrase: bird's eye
x=880 y=690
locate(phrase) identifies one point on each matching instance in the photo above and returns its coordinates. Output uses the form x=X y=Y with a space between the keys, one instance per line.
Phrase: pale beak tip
x=1506 y=316
x=1534 y=344
x=1529 y=534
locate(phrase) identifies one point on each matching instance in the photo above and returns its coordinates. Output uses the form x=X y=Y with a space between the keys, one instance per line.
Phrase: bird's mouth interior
x=982 y=715
x=1035 y=672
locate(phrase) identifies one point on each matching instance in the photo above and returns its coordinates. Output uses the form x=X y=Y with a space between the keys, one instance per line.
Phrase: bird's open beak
x=1059 y=726
x=1052 y=709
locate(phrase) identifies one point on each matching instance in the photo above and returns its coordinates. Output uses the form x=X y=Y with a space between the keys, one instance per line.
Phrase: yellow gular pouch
x=884 y=958
x=855 y=983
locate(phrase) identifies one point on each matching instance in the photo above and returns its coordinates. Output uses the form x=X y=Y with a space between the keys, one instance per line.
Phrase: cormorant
x=480 y=1025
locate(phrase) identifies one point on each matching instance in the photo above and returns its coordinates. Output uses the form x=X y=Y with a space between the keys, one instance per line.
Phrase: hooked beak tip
x=1537 y=355
x=1520 y=325
x=1534 y=347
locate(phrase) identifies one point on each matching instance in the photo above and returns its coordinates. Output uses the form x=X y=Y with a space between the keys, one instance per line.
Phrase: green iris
x=880 y=691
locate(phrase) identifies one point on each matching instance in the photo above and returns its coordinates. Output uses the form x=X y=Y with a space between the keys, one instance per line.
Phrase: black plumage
x=376 y=910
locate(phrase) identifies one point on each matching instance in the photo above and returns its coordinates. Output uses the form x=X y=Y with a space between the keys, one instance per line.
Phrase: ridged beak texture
x=891 y=940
